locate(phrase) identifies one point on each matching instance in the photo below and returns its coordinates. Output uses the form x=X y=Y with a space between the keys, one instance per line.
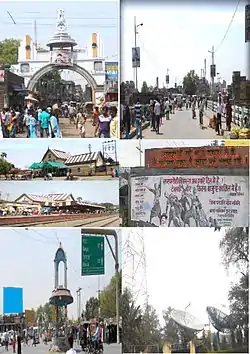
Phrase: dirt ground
x=69 y=130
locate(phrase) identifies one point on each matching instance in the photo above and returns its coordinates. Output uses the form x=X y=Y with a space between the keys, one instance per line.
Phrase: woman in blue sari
x=32 y=125
x=54 y=127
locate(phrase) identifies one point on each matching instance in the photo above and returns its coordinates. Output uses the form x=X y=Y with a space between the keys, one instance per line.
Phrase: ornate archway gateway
x=76 y=68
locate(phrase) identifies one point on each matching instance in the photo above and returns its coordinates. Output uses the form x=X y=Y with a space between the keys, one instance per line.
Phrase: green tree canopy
x=108 y=297
x=92 y=308
x=190 y=83
x=45 y=315
x=9 y=51
x=5 y=166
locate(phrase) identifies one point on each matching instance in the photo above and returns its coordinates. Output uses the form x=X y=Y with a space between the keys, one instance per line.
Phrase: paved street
x=69 y=130
x=44 y=349
x=182 y=126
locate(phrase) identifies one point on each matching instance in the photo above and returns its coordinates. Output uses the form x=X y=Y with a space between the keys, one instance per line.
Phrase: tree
x=9 y=51
x=92 y=308
x=239 y=304
x=5 y=166
x=131 y=322
x=235 y=249
x=170 y=331
x=144 y=88
x=3 y=155
x=45 y=315
x=108 y=297
x=151 y=334
x=190 y=83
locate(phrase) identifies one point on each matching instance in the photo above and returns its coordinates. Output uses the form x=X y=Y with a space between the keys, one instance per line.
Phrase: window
x=98 y=66
x=78 y=170
x=24 y=68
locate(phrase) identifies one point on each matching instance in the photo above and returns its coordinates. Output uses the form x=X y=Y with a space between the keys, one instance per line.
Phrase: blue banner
x=111 y=70
x=12 y=301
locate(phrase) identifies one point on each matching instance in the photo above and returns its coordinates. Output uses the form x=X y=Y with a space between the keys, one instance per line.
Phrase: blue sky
x=92 y=191
x=83 y=18
x=23 y=152
x=34 y=271
x=178 y=36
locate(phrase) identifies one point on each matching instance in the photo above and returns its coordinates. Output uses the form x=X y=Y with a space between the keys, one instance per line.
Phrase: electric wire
x=229 y=26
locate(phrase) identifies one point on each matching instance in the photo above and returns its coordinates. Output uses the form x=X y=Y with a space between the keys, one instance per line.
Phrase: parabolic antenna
x=221 y=321
x=186 y=320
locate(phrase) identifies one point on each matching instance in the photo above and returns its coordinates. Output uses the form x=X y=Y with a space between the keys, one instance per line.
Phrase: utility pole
x=205 y=68
x=212 y=74
x=139 y=148
x=99 y=299
x=78 y=296
x=89 y=146
x=135 y=35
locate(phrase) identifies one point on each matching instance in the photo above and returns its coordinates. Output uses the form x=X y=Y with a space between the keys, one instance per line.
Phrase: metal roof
x=60 y=154
x=82 y=158
x=49 y=197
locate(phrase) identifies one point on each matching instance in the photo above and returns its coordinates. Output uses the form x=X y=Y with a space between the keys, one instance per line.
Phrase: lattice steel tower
x=134 y=268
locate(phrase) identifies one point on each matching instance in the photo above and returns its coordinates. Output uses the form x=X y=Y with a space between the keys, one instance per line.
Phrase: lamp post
x=135 y=34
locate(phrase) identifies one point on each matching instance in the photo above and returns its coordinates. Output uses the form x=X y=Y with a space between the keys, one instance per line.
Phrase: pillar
x=93 y=95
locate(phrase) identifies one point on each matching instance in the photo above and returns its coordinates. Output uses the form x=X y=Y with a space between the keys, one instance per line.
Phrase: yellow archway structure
x=76 y=68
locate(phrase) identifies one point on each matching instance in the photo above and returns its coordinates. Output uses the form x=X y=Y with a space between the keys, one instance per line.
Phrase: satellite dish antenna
x=220 y=320
x=186 y=320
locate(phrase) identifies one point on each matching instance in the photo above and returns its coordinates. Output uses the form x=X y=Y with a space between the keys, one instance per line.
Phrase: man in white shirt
x=157 y=112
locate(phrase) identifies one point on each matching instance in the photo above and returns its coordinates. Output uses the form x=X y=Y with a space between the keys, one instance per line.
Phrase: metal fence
x=239 y=113
x=143 y=349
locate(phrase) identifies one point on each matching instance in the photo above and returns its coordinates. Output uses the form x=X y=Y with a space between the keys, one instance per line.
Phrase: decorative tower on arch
x=134 y=272
x=61 y=296
x=61 y=44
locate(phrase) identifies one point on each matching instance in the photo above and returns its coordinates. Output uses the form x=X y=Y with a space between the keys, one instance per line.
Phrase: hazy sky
x=23 y=152
x=178 y=36
x=182 y=266
x=92 y=191
x=34 y=271
x=82 y=20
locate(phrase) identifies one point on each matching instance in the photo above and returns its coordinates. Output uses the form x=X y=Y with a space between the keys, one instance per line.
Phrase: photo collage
x=124 y=176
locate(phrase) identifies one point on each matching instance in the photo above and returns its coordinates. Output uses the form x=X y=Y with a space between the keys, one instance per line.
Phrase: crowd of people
x=35 y=122
x=158 y=109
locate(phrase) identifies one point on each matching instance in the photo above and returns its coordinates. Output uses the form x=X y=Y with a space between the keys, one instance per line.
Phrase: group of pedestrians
x=33 y=122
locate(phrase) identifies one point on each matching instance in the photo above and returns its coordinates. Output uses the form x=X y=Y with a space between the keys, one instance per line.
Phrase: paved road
x=44 y=349
x=182 y=126
x=69 y=130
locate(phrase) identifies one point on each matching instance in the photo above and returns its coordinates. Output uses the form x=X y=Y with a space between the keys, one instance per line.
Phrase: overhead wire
x=229 y=26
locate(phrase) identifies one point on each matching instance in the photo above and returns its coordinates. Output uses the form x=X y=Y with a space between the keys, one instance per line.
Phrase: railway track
x=98 y=221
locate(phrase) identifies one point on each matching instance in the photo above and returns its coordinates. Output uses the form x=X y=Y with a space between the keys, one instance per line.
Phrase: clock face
x=94 y=45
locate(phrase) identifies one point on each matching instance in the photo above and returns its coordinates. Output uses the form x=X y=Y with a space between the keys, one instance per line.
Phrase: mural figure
x=156 y=209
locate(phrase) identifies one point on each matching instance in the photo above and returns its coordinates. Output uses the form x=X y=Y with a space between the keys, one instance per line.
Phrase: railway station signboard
x=93 y=255
x=197 y=157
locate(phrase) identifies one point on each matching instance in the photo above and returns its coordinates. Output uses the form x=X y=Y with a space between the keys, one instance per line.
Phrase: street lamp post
x=135 y=34
x=112 y=233
x=212 y=77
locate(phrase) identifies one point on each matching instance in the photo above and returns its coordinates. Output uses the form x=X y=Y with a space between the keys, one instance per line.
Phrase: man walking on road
x=157 y=112
x=219 y=115
x=138 y=119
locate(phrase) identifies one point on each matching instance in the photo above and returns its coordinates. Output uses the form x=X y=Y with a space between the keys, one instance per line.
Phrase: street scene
x=56 y=80
x=188 y=92
x=59 y=204
x=186 y=184
x=62 y=160
x=76 y=306
x=186 y=292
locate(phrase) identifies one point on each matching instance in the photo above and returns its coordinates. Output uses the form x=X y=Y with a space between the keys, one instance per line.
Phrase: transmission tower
x=134 y=269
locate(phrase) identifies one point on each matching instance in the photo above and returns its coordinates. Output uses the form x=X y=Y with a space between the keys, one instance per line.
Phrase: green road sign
x=92 y=255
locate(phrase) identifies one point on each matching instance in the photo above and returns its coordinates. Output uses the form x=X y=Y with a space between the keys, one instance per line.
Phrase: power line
x=229 y=26
x=70 y=18
x=95 y=25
